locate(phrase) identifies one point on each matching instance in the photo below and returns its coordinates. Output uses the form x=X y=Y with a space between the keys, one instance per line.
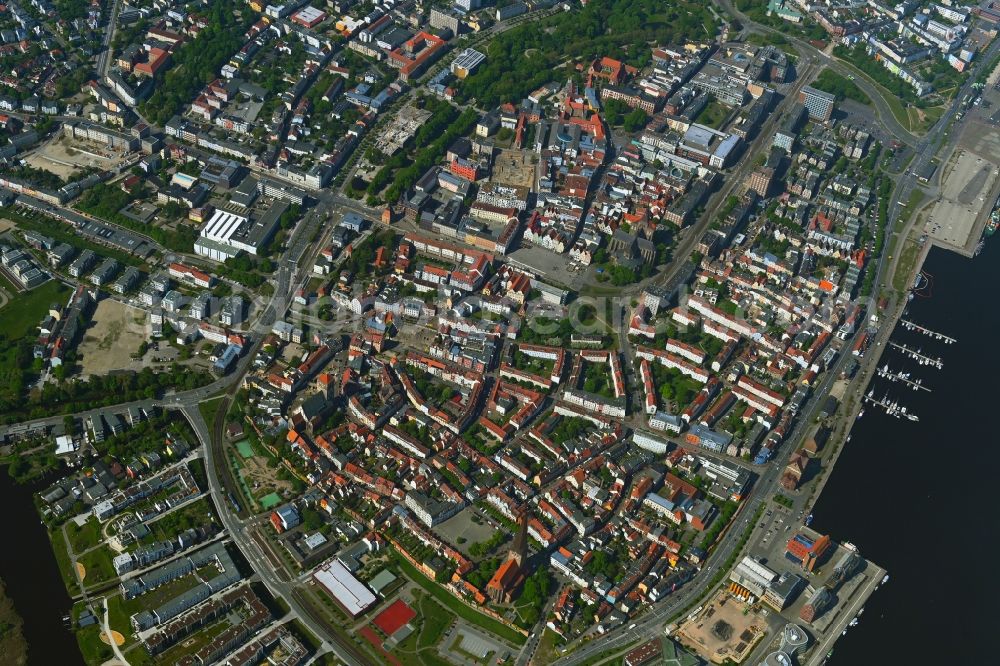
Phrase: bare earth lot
x=724 y=630
x=64 y=157
x=261 y=478
x=113 y=338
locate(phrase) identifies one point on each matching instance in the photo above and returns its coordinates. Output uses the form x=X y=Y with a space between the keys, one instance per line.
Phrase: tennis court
x=270 y=501
x=394 y=617
x=243 y=446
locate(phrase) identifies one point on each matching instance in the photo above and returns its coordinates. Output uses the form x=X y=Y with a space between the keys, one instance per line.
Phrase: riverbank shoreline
x=890 y=486
x=32 y=582
x=13 y=645
x=851 y=404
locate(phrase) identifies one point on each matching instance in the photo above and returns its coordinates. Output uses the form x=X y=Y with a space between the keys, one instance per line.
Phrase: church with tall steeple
x=509 y=576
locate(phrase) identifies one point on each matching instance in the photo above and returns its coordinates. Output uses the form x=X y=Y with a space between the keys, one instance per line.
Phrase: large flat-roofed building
x=222 y=225
x=818 y=103
x=644 y=654
x=784 y=137
x=708 y=146
x=224 y=172
x=245 y=193
x=753 y=576
x=227 y=234
x=214 y=241
x=511 y=10
x=729 y=90
x=428 y=510
x=282 y=191
x=466 y=63
x=309 y=17
x=780 y=594
x=98 y=134
x=346 y=590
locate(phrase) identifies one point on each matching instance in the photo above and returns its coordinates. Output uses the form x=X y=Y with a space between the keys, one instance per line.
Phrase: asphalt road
x=733 y=180
x=651 y=622
x=810 y=52
x=253 y=553
x=765 y=487
x=104 y=59
x=926 y=149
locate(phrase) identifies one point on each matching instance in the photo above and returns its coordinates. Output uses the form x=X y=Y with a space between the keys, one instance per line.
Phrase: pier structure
x=891 y=407
x=899 y=376
x=911 y=326
x=917 y=356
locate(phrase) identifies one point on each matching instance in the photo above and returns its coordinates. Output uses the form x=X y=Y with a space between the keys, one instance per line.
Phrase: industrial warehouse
x=345 y=589
x=227 y=234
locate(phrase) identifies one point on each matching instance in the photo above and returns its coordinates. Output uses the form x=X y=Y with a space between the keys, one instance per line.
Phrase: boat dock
x=852 y=596
x=849 y=576
x=911 y=326
x=891 y=407
x=917 y=356
x=893 y=376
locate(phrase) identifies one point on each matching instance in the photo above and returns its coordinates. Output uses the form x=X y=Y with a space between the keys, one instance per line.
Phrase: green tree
x=635 y=120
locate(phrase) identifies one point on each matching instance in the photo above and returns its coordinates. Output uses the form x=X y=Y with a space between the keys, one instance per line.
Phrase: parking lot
x=467 y=645
x=968 y=182
x=553 y=268
x=462 y=526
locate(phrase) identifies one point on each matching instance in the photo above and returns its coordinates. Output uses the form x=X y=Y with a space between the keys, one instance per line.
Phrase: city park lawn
x=84 y=537
x=209 y=408
x=25 y=310
x=63 y=561
x=420 y=647
x=98 y=565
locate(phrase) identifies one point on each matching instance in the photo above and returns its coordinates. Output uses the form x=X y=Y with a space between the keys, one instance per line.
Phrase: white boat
x=861 y=612
x=853 y=623
x=860 y=414
x=885 y=579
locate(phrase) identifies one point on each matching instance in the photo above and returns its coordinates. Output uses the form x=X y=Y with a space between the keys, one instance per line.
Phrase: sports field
x=270 y=501
x=395 y=616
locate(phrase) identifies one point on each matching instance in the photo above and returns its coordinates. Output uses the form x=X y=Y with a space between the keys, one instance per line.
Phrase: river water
x=918 y=498
x=29 y=572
